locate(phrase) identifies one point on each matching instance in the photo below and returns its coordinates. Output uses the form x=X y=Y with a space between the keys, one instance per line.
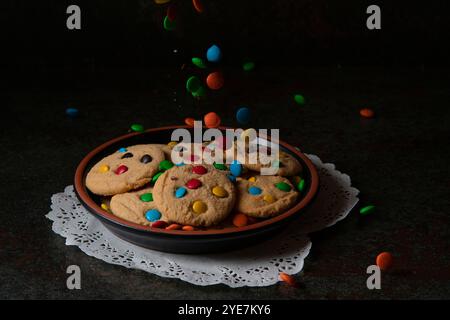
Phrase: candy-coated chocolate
x=252 y=179
x=104 y=168
x=146 y=158
x=199 y=207
x=122 y=150
x=193 y=184
x=156 y=176
x=236 y=168
x=159 y=224
x=199 y=170
x=172 y=144
x=146 y=197
x=243 y=115
x=165 y=165
x=220 y=166
x=180 y=192
x=127 y=155
x=121 y=169
x=105 y=206
x=152 y=215
x=214 y=54
x=268 y=198
x=254 y=190
x=283 y=186
x=137 y=127
x=219 y=192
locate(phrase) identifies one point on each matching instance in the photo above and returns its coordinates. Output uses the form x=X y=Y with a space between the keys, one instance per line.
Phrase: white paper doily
x=257 y=265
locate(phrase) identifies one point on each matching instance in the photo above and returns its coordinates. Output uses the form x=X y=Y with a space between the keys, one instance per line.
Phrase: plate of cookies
x=143 y=195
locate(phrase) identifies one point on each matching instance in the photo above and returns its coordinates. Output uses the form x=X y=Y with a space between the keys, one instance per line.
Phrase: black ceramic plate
x=178 y=241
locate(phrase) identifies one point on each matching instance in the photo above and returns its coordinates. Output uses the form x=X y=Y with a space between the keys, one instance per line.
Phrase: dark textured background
x=121 y=68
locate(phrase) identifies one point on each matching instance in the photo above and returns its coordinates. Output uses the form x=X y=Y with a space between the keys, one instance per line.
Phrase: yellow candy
x=219 y=192
x=199 y=207
x=104 y=168
x=172 y=144
x=252 y=179
x=104 y=207
x=268 y=198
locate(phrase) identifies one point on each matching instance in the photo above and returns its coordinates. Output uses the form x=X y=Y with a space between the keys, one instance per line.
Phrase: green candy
x=299 y=99
x=283 y=186
x=301 y=185
x=169 y=25
x=146 y=197
x=137 y=127
x=156 y=176
x=193 y=84
x=220 y=166
x=248 y=66
x=165 y=165
x=367 y=210
x=198 y=62
x=200 y=93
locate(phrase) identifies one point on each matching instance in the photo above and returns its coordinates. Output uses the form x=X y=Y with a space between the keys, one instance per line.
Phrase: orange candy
x=215 y=80
x=198 y=5
x=173 y=226
x=367 y=113
x=211 y=120
x=189 y=121
x=187 y=228
x=240 y=220
x=384 y=260
x=288 y=279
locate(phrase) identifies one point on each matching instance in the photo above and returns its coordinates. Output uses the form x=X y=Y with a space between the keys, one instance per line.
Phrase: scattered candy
x=193 y=84
x=146 y=158
x=254 y=191
x=211 y=120
x=252 y=179
x=288 y=279
x=72 y=112
x=104 y=206
x=104 y=168
x=243 y=115
x=188 y=228
x=159 y=224
x=146 y=197
x=198 y=62
x=213 y=54
x=236 y=168
x=165 y=165
x=384 y=260
x=231 y=178
x=173 y=226
x=199 y=170
x=283 y=186
x=367 y=113
x=240 y=220
x=189 y=121
x=367 y=210
x=168 y=25
x=193 y=184
x=219 y=192
x=268 y=198
x=156 y=176
x=127 y=155
x=121 y=169
x=215 y=80
x=137 y=127
x=171 y=12
x=301 y=185
x=220 y=166
x=152 y=215
x=199 y=207
x=180 y=192
x=248 y=66
x=122 y=150
x=198 y=5
x=200 y=93
x=299 y=99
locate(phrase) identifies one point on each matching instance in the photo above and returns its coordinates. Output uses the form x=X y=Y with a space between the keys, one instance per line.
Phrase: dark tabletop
x=398 y=160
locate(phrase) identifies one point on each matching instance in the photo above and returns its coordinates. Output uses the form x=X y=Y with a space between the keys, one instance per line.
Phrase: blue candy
x=232 y=178
x=152 y=215
x=214 y=54
x=236 y=168
x=254 y=190
x=243 y=115
x=123 y=150
x=72 y=112
x=180 y=164
x=180 y=192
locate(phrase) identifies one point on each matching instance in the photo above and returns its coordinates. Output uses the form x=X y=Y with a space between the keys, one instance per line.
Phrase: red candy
x=159 y=224
x=193 y=184
x=199 y=170
x=171 y=12
x=121 y=169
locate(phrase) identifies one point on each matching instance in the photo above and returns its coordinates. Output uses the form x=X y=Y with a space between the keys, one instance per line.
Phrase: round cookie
x=126 y=169
x=196 y=195
x=134 y=206
x=287 y=164
x=264 y=196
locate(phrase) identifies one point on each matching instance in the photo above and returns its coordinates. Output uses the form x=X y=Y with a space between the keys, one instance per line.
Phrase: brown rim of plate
x=82 y=192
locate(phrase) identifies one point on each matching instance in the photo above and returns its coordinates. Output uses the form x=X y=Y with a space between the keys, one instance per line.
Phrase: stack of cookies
x=141 y=184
